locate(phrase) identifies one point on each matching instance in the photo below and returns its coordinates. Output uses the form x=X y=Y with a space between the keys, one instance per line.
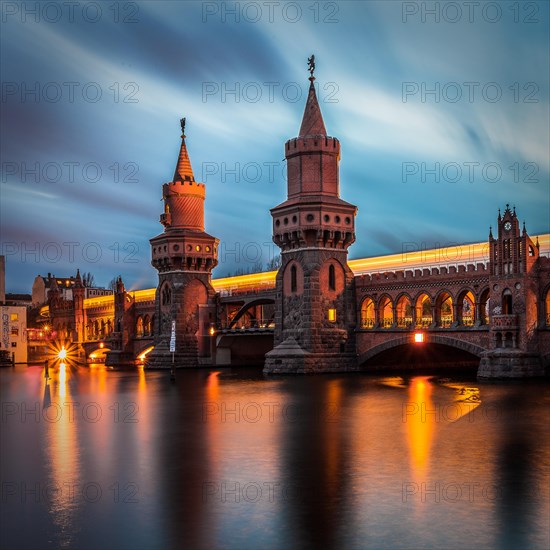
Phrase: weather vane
x=311 y=64
x=182 y=122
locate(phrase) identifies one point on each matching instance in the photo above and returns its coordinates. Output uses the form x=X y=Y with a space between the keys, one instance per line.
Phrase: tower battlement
x=310 y=144
x=184 y=188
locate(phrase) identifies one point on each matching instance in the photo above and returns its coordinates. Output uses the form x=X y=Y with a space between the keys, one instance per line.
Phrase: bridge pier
x=510 y=363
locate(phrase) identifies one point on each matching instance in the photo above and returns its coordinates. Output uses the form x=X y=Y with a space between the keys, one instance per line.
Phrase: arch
x=146 y=325
x=368 y=313
x=429 y=338
x=139 y=327
x=166 y=295
x=507 y=308
x=466 y=308
x=444 y=309
x=245 y=310
x=404 y=311
x=424 y=311
x=484 y=306
x=293 y=278
x=385 y=312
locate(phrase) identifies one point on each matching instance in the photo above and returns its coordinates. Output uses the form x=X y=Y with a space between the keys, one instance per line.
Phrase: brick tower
x=315 y=313
x=184 y=256
x=513 y=287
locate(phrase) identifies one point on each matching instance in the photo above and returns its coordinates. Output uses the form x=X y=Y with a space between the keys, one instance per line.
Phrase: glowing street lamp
x=418 y=337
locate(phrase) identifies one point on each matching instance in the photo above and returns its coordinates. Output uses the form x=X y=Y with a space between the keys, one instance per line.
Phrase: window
x=14 y=316
x=293 y=279
x=331 y=278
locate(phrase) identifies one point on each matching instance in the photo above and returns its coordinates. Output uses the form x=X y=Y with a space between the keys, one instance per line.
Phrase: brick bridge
x=488 y=302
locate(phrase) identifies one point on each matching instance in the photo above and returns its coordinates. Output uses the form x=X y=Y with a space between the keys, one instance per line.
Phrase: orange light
x=419 y=337
x=101 y=345
x=62 y=353
x=331 y=316
x=212 y=331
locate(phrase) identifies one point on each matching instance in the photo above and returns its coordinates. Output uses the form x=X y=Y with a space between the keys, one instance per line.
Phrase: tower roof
x=312 y=122
x=183 y=171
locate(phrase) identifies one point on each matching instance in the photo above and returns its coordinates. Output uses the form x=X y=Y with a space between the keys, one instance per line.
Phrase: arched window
x=507 y=302
x=293 y=279
x=424 y=314
x=484 y=307
x=547 y=311
x=467 y=309
x=166 y=296
x=139 y=327
x=386 y=312
x=331 y=277
x=368 y=314
x=445 y=310
x=146 y=325
x=404 y=312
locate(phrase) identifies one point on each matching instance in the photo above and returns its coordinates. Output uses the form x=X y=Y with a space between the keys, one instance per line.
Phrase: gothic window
x=331 y=278
x=293 y=279
x=507 y=302
x=166 y=295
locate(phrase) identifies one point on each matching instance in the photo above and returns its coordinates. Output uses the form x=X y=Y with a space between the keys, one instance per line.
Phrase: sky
x=441 y=109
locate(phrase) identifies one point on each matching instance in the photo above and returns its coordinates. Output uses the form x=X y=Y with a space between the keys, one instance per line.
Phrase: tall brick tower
x=513 y=287
x=315 y=305
x=184 y=256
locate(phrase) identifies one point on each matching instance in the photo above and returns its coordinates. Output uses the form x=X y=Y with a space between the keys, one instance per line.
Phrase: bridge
x=440 y=295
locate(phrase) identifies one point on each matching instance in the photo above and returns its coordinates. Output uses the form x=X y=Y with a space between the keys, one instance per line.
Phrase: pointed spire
x=312 y=121
x=183 y=171
x=78 y=278
x=537 y=243
x=499 y=214
x=524 y=230
x=490 y=232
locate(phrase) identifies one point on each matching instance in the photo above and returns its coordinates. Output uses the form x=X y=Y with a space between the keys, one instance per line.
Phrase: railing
x=404 y=322
x=367 y=323
x=387 y=322
x=505 y=321
x=468 y=320
x=243 y=324
x=445 y=322
x=424 y=322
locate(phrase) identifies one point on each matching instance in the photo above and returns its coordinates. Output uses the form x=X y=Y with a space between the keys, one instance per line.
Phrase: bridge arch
x=368 y=312
x=444 y=309
x=424 y=310
x=385 y=311
x=466 y=307
x=404 y=310
x=246 y=307
x=405 y=340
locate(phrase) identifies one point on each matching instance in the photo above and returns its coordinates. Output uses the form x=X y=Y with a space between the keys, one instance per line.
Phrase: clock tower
x=315 y=297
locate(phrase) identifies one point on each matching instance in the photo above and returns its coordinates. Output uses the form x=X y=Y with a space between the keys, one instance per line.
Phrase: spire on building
x=78 y=278
x=490 y=232
x=312 y=121
x=183 y=171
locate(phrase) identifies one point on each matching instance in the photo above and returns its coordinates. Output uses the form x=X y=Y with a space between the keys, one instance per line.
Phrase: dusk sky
x=155 y=62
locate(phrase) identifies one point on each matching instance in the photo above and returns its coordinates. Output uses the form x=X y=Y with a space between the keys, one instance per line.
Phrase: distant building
x=13 y=326
x=42 y=286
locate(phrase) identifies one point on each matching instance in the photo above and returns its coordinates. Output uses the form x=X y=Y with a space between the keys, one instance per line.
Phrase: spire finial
x=182 y=123
x=311 y=66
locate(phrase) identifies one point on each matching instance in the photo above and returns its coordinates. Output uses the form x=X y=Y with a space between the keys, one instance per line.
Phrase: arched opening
x=146 y=325
x=139 y=327
x=293 y=279
x=507 y=302
x=484 y=307
x=368 y=313
x=547 y=308
x=466 y=309
x=166 y=295
x=508 y=340
x=385 y=312
x=424 y=311
x=404 y=312
x=331 y=277
x=444 y=310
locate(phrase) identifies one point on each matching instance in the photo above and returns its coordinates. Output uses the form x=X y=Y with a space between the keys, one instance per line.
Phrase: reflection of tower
x=120 y=341
x=184 y=256
x=315 y=304
x=513 y=288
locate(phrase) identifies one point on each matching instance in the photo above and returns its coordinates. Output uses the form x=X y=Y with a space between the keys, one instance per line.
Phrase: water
x=230 y=459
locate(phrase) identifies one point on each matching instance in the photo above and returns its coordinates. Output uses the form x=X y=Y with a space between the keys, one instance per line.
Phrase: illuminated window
x=331 y=316
x=198 y=248
x=14 y=316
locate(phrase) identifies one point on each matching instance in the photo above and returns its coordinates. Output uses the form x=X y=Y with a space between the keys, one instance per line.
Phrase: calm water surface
x=101 y=459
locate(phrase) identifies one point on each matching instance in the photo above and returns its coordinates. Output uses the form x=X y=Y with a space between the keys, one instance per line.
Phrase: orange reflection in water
x=420 y=421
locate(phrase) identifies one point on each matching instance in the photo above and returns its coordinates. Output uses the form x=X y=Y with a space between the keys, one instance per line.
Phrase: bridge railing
x=243 y=324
